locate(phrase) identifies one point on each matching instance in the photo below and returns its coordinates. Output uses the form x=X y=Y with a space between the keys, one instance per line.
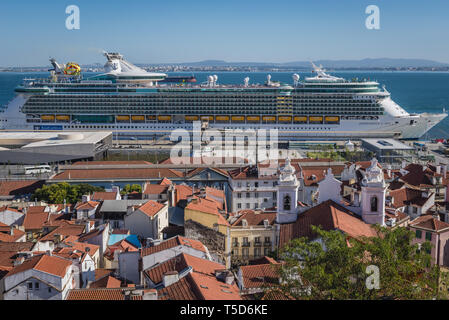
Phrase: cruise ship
x=132 y=102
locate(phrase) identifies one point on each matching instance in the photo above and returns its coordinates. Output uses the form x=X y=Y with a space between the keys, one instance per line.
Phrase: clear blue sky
x=245 y=30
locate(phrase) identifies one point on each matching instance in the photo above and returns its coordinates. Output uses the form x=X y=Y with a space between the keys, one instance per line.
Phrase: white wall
x=11 y=217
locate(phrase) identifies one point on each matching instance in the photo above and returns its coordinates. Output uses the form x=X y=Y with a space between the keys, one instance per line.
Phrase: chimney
x=85 y=198
x=225 y=276
x=48 y=253
x=150 y=294
x=439 y=169
x=169 y=278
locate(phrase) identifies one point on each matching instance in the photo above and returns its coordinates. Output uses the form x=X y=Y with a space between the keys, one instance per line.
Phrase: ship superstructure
x=132 y=101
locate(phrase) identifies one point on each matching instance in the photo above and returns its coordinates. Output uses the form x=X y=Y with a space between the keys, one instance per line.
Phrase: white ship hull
x=387 y=125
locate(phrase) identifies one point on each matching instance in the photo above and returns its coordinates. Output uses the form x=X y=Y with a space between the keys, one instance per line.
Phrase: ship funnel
x=295 y=79
x=246 y=81
x=215 y=79
x=210 y=81
x=269 y=79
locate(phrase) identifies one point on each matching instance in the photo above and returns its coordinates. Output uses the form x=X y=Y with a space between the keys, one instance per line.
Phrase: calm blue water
x=415 y=91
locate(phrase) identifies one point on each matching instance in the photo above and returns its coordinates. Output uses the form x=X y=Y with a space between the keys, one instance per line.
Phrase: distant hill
x=338 y=64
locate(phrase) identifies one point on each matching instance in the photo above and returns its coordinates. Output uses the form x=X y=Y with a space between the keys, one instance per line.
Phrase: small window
x=49 y=290
x=428 y=236
x=30 y=286
x=36 y=285
x=418 y=234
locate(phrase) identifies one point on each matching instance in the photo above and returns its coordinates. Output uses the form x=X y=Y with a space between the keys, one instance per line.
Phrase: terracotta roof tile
x=104 y=195
x=20 y=187
x=88 y=205
x=174 y=242
x=404 y=196
x=151 y=208
x=430 y=223
x=181 y=262
x=155 y=188
x=122 y=173
x=35 y=221
x=197 y=286
x=261 y=275
x=49 y=264
x=106 y=282
x=99 y=294
x=330 y=216
x=64 y=231
x=255 y=219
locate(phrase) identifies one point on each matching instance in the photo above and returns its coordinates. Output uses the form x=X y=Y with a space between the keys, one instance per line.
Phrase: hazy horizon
x=233 y=31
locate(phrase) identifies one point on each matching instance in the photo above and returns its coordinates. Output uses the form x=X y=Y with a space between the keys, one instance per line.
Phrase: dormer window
x=244 y=223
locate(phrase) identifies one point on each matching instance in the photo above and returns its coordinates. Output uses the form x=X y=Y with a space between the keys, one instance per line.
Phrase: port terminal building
x=52 y=146
x=388 y=150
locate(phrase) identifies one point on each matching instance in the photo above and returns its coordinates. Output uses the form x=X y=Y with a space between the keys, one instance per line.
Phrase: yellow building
x=253 y=235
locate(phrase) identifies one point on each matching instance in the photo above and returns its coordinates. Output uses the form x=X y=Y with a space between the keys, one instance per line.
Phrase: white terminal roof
x=387 y=144
x=54 y=138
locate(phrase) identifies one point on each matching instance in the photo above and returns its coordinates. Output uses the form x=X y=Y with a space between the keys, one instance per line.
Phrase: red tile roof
x=181 y=262
x=88 y=205
x=182 y=192
x=261 y=275
x=151 y=208
x=36 y=209
x=35 y=221
x=404 y=196
x=330 y=216
x=429 y=222
x=125 y=173
x=197 y=286
x=104 y=195
x=165 y=182
x=155 y=188
x=106 y=282
x=49 y=264
x=112 y=162
x=174 y=242
x=20 y=187
x=255 y=218
x=99 y=294
x=7 y=237
x=64 y=231
x=183 y=289
x=207 y=206
x=101 y=273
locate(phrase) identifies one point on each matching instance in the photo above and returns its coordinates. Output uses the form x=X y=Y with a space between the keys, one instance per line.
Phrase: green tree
x=131 y=188
x=336 y=267
x=58 y=192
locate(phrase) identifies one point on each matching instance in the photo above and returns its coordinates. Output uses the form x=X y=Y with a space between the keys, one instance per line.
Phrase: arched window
x=287 y=202
x=374 y=204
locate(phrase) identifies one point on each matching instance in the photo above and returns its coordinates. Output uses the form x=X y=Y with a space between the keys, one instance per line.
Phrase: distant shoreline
x=248 y=70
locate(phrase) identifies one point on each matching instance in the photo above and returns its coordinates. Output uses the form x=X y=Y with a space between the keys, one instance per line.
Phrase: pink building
x=429 y=228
